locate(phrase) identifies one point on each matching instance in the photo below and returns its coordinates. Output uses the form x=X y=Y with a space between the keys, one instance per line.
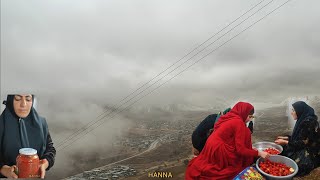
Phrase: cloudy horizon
x=111 y=48
x=79 y=56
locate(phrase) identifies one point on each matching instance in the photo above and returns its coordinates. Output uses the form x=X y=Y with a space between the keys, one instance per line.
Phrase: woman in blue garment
x=22 y=127
x=203 y=130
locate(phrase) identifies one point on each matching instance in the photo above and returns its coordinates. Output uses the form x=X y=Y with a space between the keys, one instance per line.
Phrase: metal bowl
x=281 y=159
x=260 y=146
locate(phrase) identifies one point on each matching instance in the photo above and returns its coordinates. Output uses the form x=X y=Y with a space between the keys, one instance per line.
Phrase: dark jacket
x=16 y=133
x=202 y=132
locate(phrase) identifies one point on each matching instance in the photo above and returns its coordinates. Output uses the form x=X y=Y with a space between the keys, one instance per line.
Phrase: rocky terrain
x=114 y=173
x=172 y=151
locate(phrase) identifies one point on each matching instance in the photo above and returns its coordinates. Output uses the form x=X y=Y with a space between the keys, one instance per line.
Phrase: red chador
x=228 y=150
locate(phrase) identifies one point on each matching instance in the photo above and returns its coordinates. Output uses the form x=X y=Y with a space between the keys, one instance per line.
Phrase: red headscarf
x=228 y=149
x=241 y=109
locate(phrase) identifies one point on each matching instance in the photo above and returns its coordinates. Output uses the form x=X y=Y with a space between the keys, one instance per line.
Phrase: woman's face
x=294 y=114
x=22 y=104
x=249 y=118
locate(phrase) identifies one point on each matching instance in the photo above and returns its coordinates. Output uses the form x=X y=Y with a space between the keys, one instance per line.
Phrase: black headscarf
x=17 y=133
x=304 y=112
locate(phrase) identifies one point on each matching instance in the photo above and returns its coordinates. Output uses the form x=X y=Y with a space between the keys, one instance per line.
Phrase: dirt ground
x=163 y=159
x=173 y=157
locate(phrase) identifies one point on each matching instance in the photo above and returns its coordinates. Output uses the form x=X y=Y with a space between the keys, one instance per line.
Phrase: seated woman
x=228 y=149
x=22 y=127
x=303 y=146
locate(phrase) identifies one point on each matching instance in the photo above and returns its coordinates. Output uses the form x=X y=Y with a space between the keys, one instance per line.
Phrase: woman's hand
x=43 y=166
x=283 y=137
x=263 y=154
x=8 y=171
x=281 y=141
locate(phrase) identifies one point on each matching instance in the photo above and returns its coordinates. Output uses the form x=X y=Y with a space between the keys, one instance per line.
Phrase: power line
x=88 y=125
x=187 y=67
x=175 y=68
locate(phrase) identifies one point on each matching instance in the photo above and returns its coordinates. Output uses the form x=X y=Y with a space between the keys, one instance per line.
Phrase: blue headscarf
x=17 y=133
x=304 y=112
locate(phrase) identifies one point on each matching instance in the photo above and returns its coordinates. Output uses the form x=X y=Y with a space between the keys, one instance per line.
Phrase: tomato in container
x=28 y=163
x=275 y=168
x=272 y=151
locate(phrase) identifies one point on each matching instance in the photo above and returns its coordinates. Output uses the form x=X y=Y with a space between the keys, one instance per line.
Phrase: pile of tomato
x=275 y=168
x=272 y=151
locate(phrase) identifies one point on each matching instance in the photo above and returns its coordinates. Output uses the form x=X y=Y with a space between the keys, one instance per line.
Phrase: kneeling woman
x=22 y=127
x=303 y=146
x=228 y=149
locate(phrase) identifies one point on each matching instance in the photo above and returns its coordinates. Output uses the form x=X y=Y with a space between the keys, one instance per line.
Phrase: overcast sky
x=106 y=49
x=77 y=55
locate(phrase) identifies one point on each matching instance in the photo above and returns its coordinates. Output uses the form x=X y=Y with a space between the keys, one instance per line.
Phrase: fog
x=81 y=57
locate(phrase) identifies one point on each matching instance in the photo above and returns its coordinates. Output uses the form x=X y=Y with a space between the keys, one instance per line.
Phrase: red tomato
x=272 y=151
x=275 y=168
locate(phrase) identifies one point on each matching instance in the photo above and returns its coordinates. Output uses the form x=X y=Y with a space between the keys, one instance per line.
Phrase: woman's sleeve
x=240 y=141
x=50 y=152
x=307 y=129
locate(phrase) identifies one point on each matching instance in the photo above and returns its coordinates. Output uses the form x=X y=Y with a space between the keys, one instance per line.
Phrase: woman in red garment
x=228 y=150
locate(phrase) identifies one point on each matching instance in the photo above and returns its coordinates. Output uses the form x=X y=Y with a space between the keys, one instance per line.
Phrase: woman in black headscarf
x=22 y=127
x=303 y=146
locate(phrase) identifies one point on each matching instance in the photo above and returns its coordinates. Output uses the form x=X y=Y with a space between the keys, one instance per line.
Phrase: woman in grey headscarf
x=22 y=127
